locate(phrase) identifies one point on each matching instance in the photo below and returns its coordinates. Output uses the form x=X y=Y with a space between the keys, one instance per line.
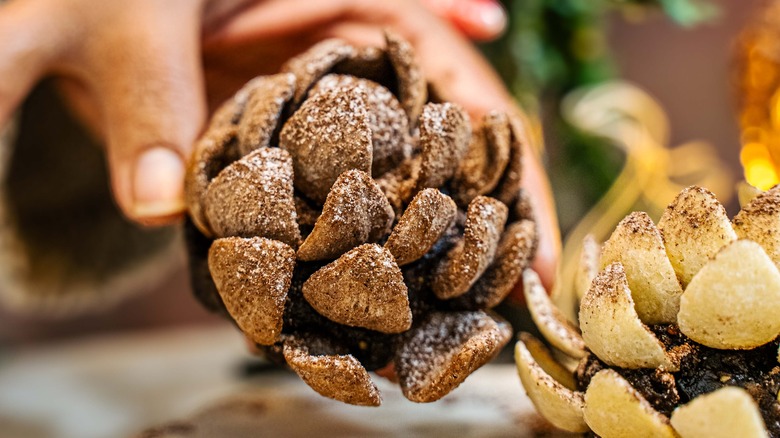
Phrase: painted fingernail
x=158 y=183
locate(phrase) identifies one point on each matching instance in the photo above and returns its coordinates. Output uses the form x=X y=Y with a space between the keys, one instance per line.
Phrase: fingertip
x=481 y=20
x=157 y=183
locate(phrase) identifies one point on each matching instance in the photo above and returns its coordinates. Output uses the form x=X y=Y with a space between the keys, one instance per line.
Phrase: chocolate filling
x=702 y=370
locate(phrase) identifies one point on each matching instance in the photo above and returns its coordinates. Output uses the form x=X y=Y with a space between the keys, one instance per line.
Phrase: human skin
x=144 y=75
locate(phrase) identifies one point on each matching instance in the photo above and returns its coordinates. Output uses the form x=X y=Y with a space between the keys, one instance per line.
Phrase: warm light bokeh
x=758 y=91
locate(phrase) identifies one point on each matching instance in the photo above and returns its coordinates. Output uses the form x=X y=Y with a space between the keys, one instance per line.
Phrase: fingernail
x=489 y=15
x=158 y=183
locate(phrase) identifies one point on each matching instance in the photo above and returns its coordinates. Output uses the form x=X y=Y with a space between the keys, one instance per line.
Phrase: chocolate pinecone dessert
x=347 y=224
x=680 y=327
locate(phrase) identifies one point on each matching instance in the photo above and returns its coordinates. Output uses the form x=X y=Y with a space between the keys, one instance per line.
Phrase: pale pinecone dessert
x=347 y=224
x=679 y=327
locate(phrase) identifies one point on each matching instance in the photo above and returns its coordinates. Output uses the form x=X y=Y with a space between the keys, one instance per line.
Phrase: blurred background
x=653 y=92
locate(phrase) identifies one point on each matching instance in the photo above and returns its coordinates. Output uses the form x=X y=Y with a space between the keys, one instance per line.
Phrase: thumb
x=148 y=79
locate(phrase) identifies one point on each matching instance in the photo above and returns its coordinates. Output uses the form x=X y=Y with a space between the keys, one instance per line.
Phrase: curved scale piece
x=314 y=63
x=638 y=246
x=386 y=119
x=355 y=212
x=425 y=220
x=445 y=132
x=362 y=288
x=399 y=184
x=328 y=370
x=328 y=135
x=263 y=111
x=725 y=413
x=212 y=154
x=734 y=300
x=694 y=227
x=515 y=251
x=371 y=63
x=551 y=323
x=254 y=197
x=589 y=265
x=438 y=355
x=509 y=186
x=468 y=260
x=614 y=409
x=611 y=327
x=559 y=403
x=759 y=221
x=412 y=88
x=486 y=158
x=252 y=276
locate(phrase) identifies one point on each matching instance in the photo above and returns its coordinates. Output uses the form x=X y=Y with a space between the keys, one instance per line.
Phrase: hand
x=143 y=74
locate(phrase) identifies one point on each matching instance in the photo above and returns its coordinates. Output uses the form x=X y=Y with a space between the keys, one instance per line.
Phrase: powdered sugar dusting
x=254 y=197
x=355 y=212
x=465 y=263
x=363 y=288
x=253 y=275
x=438 y=355
x=445 y=132
x=327 y=136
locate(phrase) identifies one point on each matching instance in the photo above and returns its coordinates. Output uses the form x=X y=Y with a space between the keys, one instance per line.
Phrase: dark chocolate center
x=702 y=370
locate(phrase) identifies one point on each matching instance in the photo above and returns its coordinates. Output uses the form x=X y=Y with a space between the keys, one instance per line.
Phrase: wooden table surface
x=193 y=382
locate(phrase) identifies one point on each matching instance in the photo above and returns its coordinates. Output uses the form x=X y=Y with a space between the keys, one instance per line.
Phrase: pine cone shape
x=346 y=224
x=680 y=327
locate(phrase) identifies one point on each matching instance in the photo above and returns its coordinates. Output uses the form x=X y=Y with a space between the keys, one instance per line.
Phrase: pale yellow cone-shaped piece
x=638 y=246
x=551 y=323
x=614 y=409
x=559 y=404
x=695 y=227
x=726 y=413
x=589 y=265
x=611 y=327
x=759 y=221
x=734 y=301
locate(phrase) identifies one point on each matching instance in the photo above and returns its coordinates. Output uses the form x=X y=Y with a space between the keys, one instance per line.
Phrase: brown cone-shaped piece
x=327 y=369
x=399 y=183
x=517 y=245
x=232 y=110
x=412 y=88
x=252 y=276
x=425 y=220
x=363 y=288
x=486 y=159
x=209 y=157
x=370 y=63
x=355 y=212
x=437 y=356
x=469 y=259
x=328 y=135
x=263 y=111
x=217 y=147
x=311 y=65
x=509 y=185
x=254 y=197
x=523 y=206
x=387 y=120
x=445 y=132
